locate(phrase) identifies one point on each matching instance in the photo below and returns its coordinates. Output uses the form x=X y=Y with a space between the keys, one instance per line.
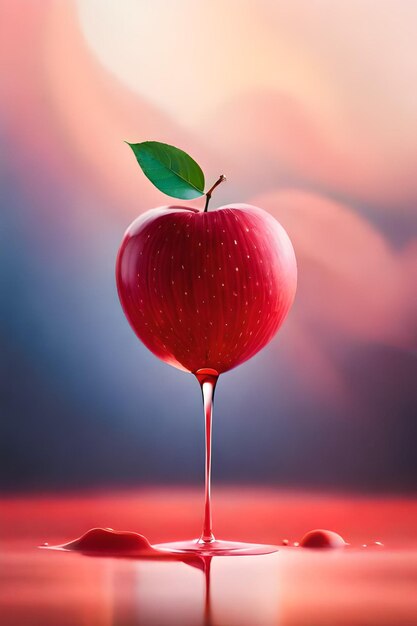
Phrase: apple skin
x=206 y=289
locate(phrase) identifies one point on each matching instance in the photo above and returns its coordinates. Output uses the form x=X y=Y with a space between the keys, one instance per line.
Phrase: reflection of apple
x=206 y=289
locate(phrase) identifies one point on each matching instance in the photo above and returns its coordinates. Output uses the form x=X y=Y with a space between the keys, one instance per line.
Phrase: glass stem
x=208 y=380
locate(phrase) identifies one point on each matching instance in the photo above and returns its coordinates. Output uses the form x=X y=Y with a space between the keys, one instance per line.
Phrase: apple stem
x=210 y=191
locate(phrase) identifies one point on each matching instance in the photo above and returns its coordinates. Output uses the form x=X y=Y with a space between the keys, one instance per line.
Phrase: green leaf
x=171 y=170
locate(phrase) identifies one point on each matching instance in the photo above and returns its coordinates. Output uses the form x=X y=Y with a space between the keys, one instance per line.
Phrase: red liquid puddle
x=119 y=543
x=113 y=543
x=108 y=541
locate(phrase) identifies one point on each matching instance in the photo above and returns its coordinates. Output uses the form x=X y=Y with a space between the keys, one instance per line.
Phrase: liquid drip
x=208 y=380
x=208 y=545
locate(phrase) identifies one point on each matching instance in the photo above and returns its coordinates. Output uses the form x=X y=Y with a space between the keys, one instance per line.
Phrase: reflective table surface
x=294 y=587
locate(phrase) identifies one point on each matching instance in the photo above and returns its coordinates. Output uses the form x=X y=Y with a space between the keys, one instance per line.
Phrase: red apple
x=206 y=289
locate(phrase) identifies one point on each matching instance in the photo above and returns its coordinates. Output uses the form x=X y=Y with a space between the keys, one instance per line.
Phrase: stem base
x=216 y=548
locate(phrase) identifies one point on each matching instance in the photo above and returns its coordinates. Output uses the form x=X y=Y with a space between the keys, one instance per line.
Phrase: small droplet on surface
x=296 y=544
x=379 y=544
x=285 y=542
x=45 y=543
x=320 y=538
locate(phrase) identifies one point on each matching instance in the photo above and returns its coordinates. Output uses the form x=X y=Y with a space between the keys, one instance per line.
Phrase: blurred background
x=309 y=108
